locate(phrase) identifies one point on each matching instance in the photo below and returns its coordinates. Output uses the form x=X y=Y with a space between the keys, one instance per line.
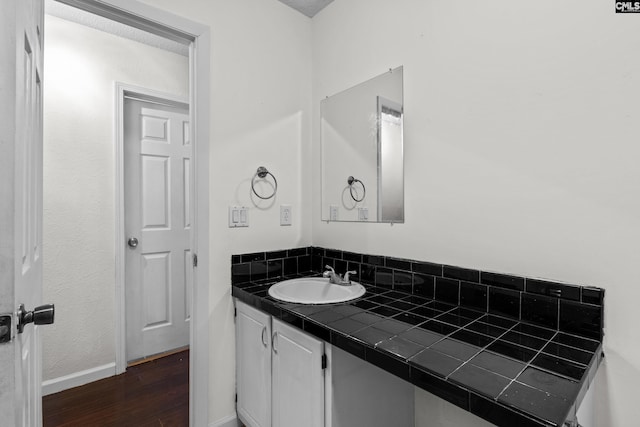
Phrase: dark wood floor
x=154 y=393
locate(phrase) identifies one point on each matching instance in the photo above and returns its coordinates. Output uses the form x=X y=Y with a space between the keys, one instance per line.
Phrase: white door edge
x=126 y=11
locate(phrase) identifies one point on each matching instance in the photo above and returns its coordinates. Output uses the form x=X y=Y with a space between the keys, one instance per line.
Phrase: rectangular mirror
x=362 y=152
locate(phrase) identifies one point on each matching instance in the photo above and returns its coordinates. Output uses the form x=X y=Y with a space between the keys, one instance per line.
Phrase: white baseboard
x=230 y=421
x=78 y=378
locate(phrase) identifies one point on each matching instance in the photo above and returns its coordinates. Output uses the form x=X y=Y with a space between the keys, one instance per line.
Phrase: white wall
x=521 y=150
x=79 y=176
x=260 y=116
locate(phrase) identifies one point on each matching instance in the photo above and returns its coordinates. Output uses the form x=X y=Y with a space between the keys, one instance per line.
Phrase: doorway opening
x=196 y=38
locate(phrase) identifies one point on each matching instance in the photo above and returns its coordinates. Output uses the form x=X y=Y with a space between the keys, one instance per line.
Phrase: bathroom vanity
x=286 y=377
x=510 y=350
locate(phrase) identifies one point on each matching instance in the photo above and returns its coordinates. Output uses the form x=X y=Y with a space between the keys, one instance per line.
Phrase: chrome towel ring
x=262 y=173
x=351 y=180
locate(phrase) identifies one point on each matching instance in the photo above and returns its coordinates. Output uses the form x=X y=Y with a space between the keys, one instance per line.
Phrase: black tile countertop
x=502 y=370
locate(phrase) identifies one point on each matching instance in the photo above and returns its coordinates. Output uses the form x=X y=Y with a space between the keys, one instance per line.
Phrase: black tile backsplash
x=513 y=350
x=553 y=289
x=503 y=281
x=460 y=273
x=258 y=256
x=274 y=268
x=402 y=281
x=427 y=268
x=373 y=260
x=331 y=253
x=290 y=266
x=447 y=290
x=400 y=264
x=384 y=277
x=297 y=252
x=351 y=256
x=474 y=295
x=424 y=285
x=592 y=295
x=581 y=319
x=504 y=302
x=276 y=254
x=540 y=310
x=304 y=264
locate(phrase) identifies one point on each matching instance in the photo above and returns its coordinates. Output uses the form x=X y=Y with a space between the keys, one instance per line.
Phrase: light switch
x=238 y=216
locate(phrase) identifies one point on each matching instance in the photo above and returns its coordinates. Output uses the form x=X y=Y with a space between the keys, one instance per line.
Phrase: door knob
x=41 y=315
x=132 y=242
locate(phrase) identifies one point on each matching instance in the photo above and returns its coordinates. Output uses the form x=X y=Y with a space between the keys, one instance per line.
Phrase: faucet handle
x=328 y=272
x=346 y=276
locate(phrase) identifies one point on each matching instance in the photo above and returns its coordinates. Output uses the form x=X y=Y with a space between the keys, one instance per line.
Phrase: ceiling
x=307 y=7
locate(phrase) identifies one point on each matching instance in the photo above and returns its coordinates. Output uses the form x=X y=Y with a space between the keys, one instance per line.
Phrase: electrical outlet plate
x=363 y=214
x=285 y=214
x=333 y=213
x=238 y=216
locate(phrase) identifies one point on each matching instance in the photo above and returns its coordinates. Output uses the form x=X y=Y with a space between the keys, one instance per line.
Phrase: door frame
x=197 y=37
x=122 y=90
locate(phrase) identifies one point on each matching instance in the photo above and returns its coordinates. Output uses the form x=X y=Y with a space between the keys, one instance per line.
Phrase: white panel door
x=297 y=378
x=253 y=366
x=158 y=271
x=21 y=35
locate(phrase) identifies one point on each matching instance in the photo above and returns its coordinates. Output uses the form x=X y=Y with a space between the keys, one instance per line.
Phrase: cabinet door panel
x=253 y=359
x=298 y=378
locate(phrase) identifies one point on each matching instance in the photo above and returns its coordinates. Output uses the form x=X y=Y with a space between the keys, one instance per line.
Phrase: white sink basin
x=315 y=290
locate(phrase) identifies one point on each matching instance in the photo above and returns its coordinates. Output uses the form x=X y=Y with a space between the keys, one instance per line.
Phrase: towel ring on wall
x=351 y=180
x=262 y=172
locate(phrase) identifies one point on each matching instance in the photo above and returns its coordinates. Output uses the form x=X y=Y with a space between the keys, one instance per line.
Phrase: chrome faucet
x=336 y=278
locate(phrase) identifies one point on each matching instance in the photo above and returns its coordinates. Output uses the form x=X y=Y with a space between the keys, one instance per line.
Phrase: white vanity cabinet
x=283 y=381
x=280 y=378
x=297 y=382
x=253 y=366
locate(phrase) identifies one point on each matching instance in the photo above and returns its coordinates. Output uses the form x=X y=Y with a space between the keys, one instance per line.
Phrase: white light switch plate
x=238 y=216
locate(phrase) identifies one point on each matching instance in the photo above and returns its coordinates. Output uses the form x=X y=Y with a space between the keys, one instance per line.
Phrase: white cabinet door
x=253 y=366
x=298 y=378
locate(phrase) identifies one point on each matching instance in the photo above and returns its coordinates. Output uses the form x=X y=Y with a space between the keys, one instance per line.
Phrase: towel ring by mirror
x=262 y=173
x=351 y=180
